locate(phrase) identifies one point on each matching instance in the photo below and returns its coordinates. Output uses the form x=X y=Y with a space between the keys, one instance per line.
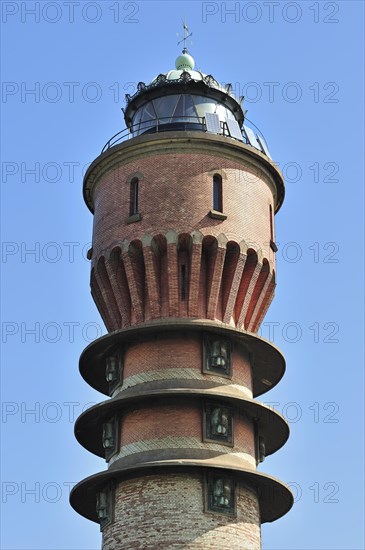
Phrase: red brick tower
x=183 y=272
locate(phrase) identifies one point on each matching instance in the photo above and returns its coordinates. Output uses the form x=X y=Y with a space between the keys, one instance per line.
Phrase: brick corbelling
x=259 y=304
x=135 y=292
x=183 y=266
x=167 y=512
x=258 y=293
x=195 y=262
x=179 y=353
x=142 y=280
x=106 y=290
x=268 y=298
x=249 y=295
x=152 y=280
x=100 y=302
x=115 y=264
x=235 y=279
x=123 y=310
x=230 y=264
x=172 y=280
x=248 y=271
x=215 y=278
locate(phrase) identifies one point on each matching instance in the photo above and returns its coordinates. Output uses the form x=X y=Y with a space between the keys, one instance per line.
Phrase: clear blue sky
x=300 y=66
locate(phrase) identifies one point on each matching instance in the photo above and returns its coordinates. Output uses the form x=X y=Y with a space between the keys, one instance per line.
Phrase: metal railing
x=165 y=124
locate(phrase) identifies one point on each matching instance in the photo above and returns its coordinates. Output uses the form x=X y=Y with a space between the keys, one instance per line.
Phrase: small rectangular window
x=218 y=423
x=105 y=506
x=217 y=355
x=110 y=437
x=114 y=369
x=220 y=494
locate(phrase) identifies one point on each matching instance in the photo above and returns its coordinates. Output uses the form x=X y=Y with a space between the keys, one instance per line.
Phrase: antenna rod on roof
x=187 y=35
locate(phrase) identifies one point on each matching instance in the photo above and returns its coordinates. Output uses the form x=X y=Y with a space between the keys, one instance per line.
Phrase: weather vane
x=187 y=34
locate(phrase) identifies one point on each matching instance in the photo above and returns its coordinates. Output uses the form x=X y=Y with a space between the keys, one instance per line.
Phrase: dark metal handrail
x=164 y=124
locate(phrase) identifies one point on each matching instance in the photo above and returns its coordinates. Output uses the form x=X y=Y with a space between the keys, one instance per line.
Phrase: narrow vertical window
x=260 y=447
x=133 y=207
x=183 y=282
x=217 y=193
x=272 y=243
x=271 y=224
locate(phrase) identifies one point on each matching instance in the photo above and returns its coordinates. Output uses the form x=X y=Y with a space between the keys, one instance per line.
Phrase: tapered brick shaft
x=182 y=272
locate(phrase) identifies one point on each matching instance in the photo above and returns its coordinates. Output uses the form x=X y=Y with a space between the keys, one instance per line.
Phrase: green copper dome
x=184 y=62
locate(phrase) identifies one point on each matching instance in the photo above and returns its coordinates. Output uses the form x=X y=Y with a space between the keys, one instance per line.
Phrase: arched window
x=217 y=193
x=133 y=203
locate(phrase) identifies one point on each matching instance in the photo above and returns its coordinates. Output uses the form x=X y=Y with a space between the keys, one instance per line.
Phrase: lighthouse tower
x=182 y=273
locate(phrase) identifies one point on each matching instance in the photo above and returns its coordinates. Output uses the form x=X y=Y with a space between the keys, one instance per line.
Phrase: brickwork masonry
x=166 y=512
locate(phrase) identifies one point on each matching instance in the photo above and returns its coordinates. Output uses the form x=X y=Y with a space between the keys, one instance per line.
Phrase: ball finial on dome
x=185 y=62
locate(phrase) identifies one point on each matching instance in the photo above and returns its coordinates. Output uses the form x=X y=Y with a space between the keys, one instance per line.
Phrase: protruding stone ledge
x=268 y=362
x=275 y=498
x=217 y=215
x=88 y=428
